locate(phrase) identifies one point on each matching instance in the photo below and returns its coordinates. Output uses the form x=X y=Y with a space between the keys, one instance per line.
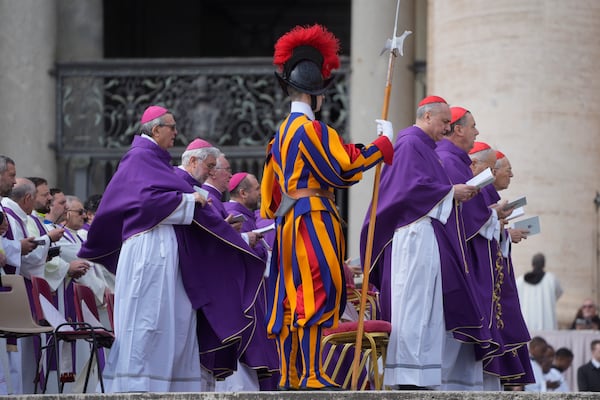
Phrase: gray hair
x=430 y=107
x=70 y=199
x=481 y=155
x=148 y=126
x=22 y=188
x=200 y=154
x=499 y=163
x=4 y=161
x=461 y=121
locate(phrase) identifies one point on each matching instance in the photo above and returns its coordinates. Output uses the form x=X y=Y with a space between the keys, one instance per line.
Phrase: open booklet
x=201 y=191
x=516 y=203
x=482 y=179
x=517 y=212
x=532 y=224
x=264 y=228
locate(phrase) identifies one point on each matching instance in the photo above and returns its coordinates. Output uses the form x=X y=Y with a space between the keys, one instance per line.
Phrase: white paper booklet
x=264 y=228
x=517 y=212
x=201 y=191
x=516 y=203
x=532 y=224
x=482 y=179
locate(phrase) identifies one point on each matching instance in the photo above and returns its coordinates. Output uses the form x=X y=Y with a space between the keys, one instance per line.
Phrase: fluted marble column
x=80 y=38
x=372 y=24
x=527 y=70
x=27 y=48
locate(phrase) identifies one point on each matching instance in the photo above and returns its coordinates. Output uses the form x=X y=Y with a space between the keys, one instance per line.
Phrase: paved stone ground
x=321 y=395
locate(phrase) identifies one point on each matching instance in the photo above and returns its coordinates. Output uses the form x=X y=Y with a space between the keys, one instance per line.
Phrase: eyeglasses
x=587 y=306
x=228 y=169
x=170 y=126
x=81 y=211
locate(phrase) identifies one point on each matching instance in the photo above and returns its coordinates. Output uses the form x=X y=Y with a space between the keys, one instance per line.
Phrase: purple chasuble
x=142 y=193
x=216 y=197
x=511 y=367
x=410 y=188
x=229 y=266
x=262 y=351
x=233 y=207
x=480 y=251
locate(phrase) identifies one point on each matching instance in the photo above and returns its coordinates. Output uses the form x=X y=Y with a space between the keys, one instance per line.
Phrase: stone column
x=372 y=24
x=27 y=98
x=80 y=30
x=80 y=38
x=528 y=71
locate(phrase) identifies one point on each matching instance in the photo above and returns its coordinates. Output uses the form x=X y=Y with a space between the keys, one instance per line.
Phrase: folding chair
x=16 y=320
x=64 y=331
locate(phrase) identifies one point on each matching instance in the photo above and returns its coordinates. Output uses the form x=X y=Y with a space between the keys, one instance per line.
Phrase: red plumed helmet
x=305 y=57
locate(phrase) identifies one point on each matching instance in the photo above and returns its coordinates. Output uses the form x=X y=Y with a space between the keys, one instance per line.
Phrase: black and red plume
x=300 y=44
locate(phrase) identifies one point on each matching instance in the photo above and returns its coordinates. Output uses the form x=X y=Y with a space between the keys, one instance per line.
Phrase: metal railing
x=234 y=103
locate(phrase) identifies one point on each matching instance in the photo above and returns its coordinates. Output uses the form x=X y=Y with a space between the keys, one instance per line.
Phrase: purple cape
x=410 y=188
x=220 y=279
x=233 y=207
x=217 y=203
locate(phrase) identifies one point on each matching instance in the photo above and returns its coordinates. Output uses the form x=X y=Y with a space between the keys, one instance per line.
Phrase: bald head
x=23 y=193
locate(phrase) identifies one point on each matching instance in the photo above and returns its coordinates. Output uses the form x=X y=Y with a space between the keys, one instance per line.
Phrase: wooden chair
x=64 y=331
x=16 y=320
x=375 y=337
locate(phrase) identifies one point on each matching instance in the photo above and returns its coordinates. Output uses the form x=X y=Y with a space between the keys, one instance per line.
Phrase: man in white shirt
x=97 y=277
x=11 y=249
x=18 y=208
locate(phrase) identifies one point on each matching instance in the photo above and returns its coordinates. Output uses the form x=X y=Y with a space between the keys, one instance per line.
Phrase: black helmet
x=305 y=57
x=305 y=77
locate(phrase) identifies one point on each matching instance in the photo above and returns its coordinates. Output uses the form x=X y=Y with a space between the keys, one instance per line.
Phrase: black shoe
x=409 y=387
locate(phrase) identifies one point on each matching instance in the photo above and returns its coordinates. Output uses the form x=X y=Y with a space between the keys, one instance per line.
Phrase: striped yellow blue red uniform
x=306 y=284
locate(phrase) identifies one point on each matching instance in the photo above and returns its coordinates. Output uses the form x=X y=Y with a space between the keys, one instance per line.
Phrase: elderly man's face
x=503 y=174
x=201 y=169
x=8 y=179
x=439 y=121
x=221 y=175
x=165 y=133
x=75 y=215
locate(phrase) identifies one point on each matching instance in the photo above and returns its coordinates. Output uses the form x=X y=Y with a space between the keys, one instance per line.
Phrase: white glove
x=385 y=127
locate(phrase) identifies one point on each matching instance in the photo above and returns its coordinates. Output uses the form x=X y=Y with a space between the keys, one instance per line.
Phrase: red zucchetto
x=479 y=146
x=457 y=113
x=432 y=99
